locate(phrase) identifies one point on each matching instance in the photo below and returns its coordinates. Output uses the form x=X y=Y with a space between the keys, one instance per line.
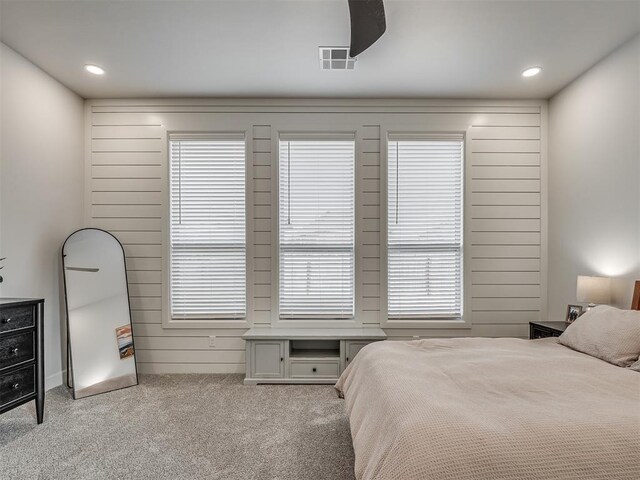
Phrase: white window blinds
x=208 y=243
x=424 y=226
x=316 y=227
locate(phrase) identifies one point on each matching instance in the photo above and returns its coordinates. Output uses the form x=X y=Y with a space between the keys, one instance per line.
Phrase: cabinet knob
x=347 y=359
x=15 y=351
x=15 y=386
x=282 y=359
x=6 y=320
x=314 y=369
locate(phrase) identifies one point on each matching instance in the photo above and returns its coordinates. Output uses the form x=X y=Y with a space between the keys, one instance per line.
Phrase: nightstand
x=546 y=329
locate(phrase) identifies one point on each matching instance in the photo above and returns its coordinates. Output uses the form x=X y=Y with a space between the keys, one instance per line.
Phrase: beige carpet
x=182 y=427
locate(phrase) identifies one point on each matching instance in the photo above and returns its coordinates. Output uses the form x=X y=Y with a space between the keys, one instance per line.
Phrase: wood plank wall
x=126 y=187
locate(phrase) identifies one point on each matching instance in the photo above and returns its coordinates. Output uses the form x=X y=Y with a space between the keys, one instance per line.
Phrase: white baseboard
x=55 y=379
x=164 y=368
x=60 y=378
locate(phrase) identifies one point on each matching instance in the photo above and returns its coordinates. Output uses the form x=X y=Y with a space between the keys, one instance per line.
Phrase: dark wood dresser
x=21 y=353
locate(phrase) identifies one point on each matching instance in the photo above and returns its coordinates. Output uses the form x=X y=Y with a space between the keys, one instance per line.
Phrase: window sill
x=205 y=323
x=425 y=323
x=317 y=322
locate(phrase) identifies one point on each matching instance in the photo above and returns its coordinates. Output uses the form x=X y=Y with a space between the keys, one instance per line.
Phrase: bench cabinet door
x=267 y=359
x=352 y=349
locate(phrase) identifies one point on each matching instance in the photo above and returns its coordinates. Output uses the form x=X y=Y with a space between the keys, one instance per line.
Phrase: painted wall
x=126 y=190
x=41 y=192
x=594 y=179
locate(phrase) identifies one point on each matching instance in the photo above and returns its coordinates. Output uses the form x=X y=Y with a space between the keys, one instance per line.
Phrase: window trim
x=421 y=322
x=210 y=321
x=311 y=321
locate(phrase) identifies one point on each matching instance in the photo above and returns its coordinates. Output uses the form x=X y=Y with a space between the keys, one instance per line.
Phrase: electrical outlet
x=212 y=340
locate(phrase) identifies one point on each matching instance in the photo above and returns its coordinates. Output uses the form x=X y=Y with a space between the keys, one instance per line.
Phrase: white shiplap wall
x=505 y=208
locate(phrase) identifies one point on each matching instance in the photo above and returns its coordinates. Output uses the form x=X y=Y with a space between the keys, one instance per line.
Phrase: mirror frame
x=70 y=383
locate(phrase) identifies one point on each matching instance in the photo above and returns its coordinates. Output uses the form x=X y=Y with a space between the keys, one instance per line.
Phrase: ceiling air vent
x=336 y=58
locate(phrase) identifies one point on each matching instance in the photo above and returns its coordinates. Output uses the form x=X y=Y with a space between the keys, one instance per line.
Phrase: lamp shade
x=595 y=290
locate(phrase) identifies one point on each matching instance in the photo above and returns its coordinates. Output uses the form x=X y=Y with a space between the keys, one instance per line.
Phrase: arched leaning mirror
x=99 y=334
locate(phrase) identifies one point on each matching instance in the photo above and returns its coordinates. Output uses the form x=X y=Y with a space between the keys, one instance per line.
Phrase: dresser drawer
x=310 y=369
x=17 y=385
x=548 y=329
x=15 y=318
x=539 y=332
x=17 y=348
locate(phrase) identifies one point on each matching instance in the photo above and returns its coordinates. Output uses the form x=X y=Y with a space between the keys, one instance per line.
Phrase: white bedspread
x=480 y=408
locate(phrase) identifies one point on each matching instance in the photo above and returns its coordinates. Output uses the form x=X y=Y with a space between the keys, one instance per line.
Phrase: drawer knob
x=15 y=386
x=6 y=320
x=314 y=369
x=15 y=351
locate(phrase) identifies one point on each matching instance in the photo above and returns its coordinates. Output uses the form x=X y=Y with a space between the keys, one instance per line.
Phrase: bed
x=483 y=408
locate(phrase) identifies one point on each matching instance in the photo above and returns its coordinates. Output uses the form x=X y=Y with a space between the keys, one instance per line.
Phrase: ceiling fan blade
x=368 y=23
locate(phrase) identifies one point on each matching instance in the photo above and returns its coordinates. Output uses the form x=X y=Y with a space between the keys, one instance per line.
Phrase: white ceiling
x=268 y=48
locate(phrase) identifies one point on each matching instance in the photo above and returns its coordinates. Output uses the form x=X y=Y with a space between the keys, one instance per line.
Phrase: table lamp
x=593 y=290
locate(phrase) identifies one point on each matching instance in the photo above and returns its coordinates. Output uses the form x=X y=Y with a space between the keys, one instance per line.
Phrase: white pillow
x=607 y=333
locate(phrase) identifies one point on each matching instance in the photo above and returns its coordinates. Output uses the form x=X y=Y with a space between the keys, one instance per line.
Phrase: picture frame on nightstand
x=573 y=312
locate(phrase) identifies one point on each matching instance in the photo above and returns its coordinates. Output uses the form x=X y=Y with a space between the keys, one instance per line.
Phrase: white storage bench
x=303 y=355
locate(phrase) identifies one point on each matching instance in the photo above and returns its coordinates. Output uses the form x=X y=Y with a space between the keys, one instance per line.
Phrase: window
x=316 y=227
x=424 y=226
x=208 y=243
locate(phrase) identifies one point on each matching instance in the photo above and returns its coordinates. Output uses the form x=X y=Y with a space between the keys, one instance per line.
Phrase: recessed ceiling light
x=531 y=71
x=95 y=69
